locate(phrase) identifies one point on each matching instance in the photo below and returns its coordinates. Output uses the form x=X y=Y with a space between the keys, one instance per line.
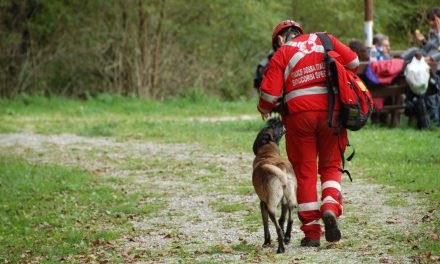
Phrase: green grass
x=405 y=158
x=105 y=104
x=253 y=220
x=54 y=212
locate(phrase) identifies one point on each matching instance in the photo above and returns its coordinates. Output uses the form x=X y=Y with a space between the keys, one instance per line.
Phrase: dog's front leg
x=265 y=216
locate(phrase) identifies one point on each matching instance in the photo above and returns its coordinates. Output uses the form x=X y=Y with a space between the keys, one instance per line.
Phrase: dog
x=274 y=181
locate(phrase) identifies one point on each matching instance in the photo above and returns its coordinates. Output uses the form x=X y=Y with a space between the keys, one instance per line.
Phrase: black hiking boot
x=332 y=232
x=305 y=242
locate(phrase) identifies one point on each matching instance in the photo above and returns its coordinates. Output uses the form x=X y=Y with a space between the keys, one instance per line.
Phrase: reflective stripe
x=306 y=91
x=331 y=184
x=308 y=206
x=319 y=48
x=292 y=63
x=311 y=38
x=315 y=222
x=329 y=199
x=353 y=64
x=293 y=44
x=268 y=98
x=296 y=58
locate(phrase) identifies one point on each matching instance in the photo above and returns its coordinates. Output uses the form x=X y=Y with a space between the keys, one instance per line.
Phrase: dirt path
x=211 y=213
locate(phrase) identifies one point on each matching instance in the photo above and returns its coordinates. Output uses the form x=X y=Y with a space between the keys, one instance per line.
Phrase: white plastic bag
x=417 y=75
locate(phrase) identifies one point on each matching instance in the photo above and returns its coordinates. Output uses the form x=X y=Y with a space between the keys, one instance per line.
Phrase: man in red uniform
x=312 y=146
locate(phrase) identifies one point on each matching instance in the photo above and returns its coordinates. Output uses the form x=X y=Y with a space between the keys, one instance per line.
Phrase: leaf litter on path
x=190 y=228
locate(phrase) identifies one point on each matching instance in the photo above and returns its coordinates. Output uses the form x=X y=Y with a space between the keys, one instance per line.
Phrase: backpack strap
x=328 y=46
x=284 y=103
x=326 y=42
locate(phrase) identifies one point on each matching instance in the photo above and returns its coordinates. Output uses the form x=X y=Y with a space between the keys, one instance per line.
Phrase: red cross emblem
x=307 y=47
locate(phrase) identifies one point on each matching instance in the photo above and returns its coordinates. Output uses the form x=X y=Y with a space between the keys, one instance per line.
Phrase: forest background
x=159 y=49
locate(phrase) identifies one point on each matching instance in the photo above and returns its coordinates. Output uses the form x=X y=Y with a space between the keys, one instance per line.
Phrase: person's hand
x=432 y=64
x=419 y=36
x=437 y=24
x=264 y=113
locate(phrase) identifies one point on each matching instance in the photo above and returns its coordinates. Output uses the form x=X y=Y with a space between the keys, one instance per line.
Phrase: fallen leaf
x=220 y=246
x=270 y=255
x=227 y=250
x=109 y=245
x=426 y=218
x=96 y=242
x=91 y=257
x=392 y=221
x=198 y=252
x=386 y=260
x=126 y=253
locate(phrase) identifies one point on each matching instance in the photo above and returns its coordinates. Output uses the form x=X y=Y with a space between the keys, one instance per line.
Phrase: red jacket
x=299 y=65
x=387 y=70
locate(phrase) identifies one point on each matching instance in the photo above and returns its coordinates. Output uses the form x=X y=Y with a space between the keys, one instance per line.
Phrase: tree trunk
x=142 y=90
x=156 y=54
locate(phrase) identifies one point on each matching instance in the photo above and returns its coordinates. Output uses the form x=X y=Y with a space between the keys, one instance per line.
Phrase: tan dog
x=274 y=182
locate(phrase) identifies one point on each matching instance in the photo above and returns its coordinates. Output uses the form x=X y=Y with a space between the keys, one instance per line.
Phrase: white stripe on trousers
x=331 y=184
x=315 y=222
x=308 y=206
x=329 y=199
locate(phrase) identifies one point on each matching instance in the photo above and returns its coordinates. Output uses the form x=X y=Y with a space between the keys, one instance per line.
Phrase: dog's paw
x=287 y=240
x=280 y=250
x=267 y=243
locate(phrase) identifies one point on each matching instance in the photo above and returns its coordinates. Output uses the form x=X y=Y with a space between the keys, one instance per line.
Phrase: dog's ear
x=262 y=139
x=267 y=137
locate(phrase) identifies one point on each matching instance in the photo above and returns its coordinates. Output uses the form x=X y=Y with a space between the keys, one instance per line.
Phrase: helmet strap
x=287 y=34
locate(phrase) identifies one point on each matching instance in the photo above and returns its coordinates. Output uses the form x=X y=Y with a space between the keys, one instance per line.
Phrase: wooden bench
x=396 y=91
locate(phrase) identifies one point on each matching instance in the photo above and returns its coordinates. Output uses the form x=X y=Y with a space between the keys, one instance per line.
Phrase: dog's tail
x=281 y=175
x=288 y=185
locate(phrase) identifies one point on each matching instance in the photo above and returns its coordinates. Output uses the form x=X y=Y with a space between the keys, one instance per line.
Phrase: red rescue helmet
x=284 y=24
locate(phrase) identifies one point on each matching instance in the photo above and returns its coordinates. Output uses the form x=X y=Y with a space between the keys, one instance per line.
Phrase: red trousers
x=313 y=147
